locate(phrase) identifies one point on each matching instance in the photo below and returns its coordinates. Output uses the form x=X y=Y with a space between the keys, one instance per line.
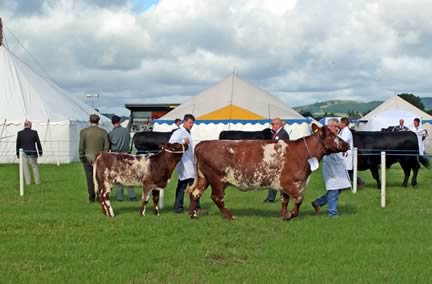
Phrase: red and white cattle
x=150 y=172
x=252 y=164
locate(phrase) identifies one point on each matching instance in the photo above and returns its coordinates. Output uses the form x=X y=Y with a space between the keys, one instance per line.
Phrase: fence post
x=161 y=199
x=355 y=166
x=58 y=153
x=21 y=171
x=383 y=179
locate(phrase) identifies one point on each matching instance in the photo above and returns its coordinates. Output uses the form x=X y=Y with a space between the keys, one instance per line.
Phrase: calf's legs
x=105 y=202
x=144 y=200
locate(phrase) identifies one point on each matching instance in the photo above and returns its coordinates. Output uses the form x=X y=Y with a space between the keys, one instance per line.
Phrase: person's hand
x=186 y=141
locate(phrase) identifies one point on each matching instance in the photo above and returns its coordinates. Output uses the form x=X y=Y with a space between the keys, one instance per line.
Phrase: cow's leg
x=155 y=194
x=218 y=198
x=284 y=204
x=415 y=168
x=406 y=167
x=104 y=200
x=298 y=200
x=144 y=200
x=375 y=174
x=196 y=194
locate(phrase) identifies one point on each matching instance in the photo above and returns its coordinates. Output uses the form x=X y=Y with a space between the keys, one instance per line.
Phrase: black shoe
x=268 y=201
x=178 y=210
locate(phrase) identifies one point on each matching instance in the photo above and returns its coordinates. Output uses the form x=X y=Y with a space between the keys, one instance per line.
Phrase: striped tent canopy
x=233 y=101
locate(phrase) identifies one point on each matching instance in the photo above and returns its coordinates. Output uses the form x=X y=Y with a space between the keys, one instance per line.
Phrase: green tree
x=307 y=114
x=412 y=99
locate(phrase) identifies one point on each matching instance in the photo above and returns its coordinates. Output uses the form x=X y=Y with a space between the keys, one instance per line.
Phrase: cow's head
x=174 y=147
x=330 y=140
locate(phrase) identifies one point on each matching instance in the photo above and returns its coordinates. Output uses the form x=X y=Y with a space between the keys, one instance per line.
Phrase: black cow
x=402 y=143
x=265 y=134
x=149 y=141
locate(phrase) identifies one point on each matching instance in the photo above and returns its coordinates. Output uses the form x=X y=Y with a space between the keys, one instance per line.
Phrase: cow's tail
x=95 y=180
x=194 y=185
x=424 y=161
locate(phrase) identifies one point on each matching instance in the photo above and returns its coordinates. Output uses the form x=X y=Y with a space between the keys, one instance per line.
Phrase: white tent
x=234 y=104
x=56 y=115
x=390 y=112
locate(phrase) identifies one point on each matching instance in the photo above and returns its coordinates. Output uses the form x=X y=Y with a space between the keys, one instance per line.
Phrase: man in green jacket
x=92 y=140
x=120 y=143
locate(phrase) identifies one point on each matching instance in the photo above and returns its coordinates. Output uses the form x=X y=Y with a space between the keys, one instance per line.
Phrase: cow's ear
x=315 y=128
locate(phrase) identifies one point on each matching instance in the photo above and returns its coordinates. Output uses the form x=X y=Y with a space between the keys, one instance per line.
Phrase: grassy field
x=54 y=235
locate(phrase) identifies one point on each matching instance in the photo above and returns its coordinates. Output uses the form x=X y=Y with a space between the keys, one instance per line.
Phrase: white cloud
x=299 y=51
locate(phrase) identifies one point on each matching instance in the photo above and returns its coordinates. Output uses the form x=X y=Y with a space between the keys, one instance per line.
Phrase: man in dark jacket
x=28 y=140
x=92 y=140
x=279 y=133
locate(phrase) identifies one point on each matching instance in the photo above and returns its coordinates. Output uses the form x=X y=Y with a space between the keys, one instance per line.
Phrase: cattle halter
x=176 y=152
x=307 y=148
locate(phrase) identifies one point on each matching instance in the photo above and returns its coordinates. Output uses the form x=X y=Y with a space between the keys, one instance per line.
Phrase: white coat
x=186 y=166
x=334 y=172
x=421 y=134
x=346 y=135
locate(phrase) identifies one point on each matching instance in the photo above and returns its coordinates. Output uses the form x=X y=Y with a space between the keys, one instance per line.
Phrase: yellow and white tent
x=234 y=104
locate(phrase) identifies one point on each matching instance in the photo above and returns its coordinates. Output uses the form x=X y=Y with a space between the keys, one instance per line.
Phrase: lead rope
x=307 y=148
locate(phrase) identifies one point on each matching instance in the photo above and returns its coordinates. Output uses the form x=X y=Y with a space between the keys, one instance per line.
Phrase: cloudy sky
x=144 y=51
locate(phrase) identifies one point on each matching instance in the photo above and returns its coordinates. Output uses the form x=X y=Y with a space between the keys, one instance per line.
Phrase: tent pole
x=231 y=99
x=1 y=32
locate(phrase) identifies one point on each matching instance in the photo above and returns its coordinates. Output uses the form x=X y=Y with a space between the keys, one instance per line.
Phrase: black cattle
x=265 y=134
x=149 y=142
x=398 y=146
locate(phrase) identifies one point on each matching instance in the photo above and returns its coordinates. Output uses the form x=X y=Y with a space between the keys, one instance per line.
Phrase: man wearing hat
x=120 y=142
x=92 y=140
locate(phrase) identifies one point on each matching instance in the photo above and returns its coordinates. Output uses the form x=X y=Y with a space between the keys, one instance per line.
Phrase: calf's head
x=330 y=140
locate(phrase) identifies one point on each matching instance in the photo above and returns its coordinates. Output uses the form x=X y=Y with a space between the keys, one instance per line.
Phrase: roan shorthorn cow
x=150 y=172
x=252 y=164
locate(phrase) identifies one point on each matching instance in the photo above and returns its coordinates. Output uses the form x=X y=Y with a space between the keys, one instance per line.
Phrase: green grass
x=53 y=235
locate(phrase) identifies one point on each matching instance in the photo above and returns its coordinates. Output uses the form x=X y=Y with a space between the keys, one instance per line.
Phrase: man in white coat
x=346 y=135
x=421 y=135
x=335 y=178
x=186 y=166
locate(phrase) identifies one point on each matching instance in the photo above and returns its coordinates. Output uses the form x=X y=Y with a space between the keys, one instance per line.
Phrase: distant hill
x=341 y=107
x=427 y=103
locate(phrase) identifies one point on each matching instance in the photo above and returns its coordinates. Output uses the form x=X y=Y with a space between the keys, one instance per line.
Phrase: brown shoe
x=316 y=208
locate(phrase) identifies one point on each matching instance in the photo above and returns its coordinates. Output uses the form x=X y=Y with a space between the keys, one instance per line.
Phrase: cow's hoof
x=229 y=217
x=142 y=212
x=288 y=217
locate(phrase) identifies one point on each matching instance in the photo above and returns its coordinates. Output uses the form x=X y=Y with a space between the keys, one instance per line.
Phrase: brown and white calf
x=150 y=172
x=252 y=164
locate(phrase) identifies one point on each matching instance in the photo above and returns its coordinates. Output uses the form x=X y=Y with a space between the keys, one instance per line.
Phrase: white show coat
x=334 y=172
x=186 y=167
x=346 y=135
x=421 y=133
